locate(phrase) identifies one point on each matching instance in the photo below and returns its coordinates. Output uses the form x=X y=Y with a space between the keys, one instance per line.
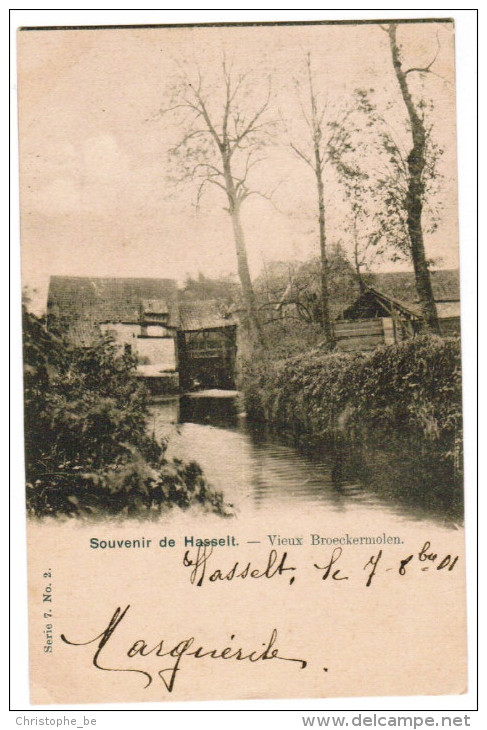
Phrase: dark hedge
x=413 y=388
x=87 y=448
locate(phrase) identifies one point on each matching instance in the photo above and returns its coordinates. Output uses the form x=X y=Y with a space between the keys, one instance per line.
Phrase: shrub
x=86 y=441
x=414 y=387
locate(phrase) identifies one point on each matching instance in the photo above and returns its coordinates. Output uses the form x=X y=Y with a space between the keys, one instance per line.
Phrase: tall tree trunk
x=241 y=251
x=357 y=264
x=414 y=200
x=324 y=268
x=318 y=169
x=244 y=275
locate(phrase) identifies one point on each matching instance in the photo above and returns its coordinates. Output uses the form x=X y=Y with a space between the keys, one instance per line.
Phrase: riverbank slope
x=413 y=388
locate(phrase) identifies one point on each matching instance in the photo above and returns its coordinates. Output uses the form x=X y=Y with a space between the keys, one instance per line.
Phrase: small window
x=127 y=348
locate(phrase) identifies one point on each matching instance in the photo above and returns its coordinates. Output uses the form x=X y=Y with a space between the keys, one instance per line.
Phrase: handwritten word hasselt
x=332 y=567
x=174 y=653
x=274 y=566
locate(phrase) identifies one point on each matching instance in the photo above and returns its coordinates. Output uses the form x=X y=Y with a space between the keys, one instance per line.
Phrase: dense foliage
x=413 y=387
x=87 y=445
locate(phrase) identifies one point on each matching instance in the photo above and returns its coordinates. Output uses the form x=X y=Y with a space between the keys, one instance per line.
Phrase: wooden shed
x=374 y=319
x=388 y=310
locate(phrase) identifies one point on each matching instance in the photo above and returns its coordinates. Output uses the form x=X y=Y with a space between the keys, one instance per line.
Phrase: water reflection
x=257 y=469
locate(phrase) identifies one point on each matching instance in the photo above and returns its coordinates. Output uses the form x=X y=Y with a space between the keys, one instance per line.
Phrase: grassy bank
x=413 y=388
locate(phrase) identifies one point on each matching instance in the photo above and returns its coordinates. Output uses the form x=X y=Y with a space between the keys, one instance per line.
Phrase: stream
x=260 y=470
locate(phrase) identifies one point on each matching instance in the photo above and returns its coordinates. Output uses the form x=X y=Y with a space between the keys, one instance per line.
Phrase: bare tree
x=416 y=166
x=224 y=132
x=292 y=289
x=323 y=138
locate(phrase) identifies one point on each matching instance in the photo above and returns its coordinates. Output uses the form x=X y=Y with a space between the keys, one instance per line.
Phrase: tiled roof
x=203 y=315
x=399 y=289
x=401 y=285
x=95 y=300
x=83 y=334
x=79 y=304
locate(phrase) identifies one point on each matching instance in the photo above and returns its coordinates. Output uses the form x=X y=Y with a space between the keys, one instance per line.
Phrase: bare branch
x=236 y=141
x=210 y=181
x=184 y=105
x=187 y=137
x=200 y=107
x=207 y=166
x=250 y=127
x=240 y=80
x=226 y=109
x=305 y=114
x=245 y=193
x=301 y=154
x=200 y=192
x=240 y=181
x=426 y=69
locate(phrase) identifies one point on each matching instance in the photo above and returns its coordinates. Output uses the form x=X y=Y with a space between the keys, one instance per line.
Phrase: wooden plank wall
x=359 y=335
x=367 y=334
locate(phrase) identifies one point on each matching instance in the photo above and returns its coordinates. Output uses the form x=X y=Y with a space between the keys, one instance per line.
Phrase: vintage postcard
x=242 y=364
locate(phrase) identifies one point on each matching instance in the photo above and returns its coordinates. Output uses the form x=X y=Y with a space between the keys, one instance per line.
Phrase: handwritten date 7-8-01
x=336 y=566
x=425 y=559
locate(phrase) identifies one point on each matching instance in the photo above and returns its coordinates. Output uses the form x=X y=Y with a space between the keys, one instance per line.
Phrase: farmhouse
x=193 y=344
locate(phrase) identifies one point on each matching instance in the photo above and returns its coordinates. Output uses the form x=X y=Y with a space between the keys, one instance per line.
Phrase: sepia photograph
x=242 y=360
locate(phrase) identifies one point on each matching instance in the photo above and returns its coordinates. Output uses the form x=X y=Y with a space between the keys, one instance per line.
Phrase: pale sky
x=96 y=194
